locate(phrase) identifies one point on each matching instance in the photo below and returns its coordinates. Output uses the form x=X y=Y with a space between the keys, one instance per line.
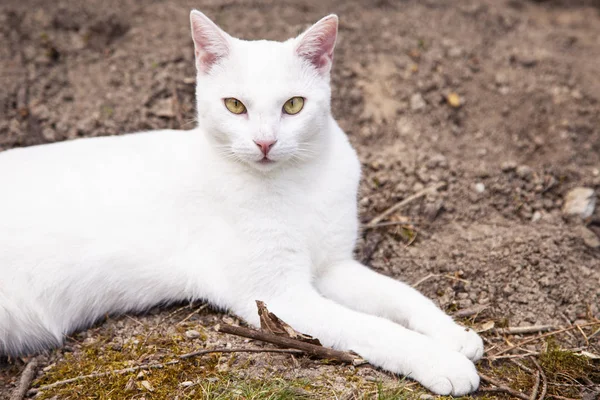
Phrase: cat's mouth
x=265 y=160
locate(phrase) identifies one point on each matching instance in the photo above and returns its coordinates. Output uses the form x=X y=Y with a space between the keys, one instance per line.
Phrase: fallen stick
x=514 y=346
x=157 y=366
x=469 y=312
x=312 y=349
x=544 y=379
x=372 y=223
x=25 y=381
x=523 y=367
x=519 y=330
x=385 y=224
x=202 y=352
x=500 y=388
x=528 y=354
x=512 y=356
x=454 y=278
x=536 y=387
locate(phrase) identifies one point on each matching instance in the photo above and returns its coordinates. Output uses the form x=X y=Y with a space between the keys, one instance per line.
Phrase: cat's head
x=265 y=104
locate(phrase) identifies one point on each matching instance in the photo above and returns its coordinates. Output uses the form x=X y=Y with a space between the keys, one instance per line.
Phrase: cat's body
x=110 y=225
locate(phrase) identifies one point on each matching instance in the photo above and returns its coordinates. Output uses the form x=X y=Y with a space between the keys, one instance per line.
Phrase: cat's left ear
x=210 y=42
x=316 y=44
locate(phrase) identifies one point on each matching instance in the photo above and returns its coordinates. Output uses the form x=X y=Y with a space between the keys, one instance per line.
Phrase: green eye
x=235 y=106
x=293 y=105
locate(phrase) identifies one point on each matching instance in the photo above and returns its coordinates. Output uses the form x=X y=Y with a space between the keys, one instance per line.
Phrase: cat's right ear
x=317 y=43
x=211 y=43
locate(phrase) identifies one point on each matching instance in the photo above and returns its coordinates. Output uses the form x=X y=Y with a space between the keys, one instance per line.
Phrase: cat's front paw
x=461 y=339
x=447 y=373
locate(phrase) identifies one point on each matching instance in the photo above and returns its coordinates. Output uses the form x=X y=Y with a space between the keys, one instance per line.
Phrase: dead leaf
x=272 y=323
x=486 y=326
x=147 y=386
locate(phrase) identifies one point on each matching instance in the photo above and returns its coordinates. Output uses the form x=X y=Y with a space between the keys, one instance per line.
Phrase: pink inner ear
x=209 y=41
x=317 y=44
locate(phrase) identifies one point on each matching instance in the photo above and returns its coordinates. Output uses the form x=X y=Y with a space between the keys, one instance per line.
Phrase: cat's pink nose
x=265 y=145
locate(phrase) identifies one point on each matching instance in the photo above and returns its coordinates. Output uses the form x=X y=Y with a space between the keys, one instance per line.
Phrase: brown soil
x=527 y=75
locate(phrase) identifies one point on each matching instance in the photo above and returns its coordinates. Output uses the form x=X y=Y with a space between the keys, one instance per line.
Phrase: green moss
x=214 y=376
x=568 y=371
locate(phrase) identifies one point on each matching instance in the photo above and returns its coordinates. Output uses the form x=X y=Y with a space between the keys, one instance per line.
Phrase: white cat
x=257 y=202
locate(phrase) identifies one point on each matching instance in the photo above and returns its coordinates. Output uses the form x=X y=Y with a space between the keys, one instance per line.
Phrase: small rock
x=508 y=166
x=417 y=102
x=186 y=384
x=432 y=210
x=479 y=187
x=580 y=201
x=192 y=334
x=524 y=172
x=536 y=216
x=589 y=238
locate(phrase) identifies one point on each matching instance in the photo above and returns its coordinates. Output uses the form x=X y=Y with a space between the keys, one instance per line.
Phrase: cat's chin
x=265 y=164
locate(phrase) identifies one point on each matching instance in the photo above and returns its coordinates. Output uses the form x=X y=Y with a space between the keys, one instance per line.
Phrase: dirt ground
x=495 y=102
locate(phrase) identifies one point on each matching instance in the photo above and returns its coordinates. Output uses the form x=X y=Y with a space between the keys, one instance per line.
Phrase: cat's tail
x=22 y=331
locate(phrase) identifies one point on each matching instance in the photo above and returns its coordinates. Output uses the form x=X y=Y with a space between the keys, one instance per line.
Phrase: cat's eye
x=293 y=105
x=235 y=106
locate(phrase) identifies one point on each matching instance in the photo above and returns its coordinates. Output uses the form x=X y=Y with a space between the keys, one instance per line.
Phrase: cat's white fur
x=116 y=224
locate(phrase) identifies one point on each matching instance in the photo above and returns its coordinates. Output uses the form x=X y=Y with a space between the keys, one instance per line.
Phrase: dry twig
x=25 y=381
x=251 y=350
x=544 y=379
x=536 y=387
x=523 y=367
x=312 y=349
x=469 y=312
x=373 y=223
x=533 y=339
x=520 y=330
x=500 y=388
x=454 y=278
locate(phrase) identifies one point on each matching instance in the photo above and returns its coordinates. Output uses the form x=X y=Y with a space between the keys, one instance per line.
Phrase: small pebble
x=186 y=383
x=524 y=172
x=508 y=166
x=192 y=334
x=417 y=102
x=479 y=187
x=589 y=237
x=580 y=202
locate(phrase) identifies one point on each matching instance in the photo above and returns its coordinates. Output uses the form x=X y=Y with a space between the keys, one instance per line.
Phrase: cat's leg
x=380 y=341
x=360 y=288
